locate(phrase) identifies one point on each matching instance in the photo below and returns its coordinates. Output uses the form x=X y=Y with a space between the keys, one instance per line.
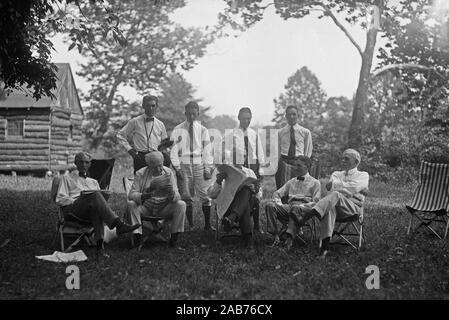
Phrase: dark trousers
x=243 y=206
x=92 y=209
x=139 y=161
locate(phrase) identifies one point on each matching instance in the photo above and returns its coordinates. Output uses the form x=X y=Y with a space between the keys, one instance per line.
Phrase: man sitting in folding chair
x=154 y=193
x=430 y=202
x=344 y=200
x=234 y=192
x=303 y=192
x=80 y=200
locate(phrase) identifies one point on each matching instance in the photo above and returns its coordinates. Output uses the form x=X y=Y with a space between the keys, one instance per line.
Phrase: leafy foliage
x=25 y=48
x=155 y=48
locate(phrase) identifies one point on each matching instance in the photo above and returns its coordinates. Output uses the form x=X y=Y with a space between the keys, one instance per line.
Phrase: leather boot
x=189 y=215
x=206 y=212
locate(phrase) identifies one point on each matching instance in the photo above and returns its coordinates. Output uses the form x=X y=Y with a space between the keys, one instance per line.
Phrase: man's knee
x=180 y=206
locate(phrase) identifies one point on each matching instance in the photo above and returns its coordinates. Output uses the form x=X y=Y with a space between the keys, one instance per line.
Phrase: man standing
x=294 y=141
x=347 y=189
x=143 y=133
x=191 y=156
x=303 y=192
x=154 y=193
x=246 y=148
x=81 y=203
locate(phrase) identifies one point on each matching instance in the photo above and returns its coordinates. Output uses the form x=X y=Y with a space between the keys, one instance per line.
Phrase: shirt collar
x=352 y=171
x=306 y=177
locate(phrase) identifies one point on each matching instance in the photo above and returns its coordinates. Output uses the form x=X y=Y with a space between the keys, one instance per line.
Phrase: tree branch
x=401 y=66
x=328 y=12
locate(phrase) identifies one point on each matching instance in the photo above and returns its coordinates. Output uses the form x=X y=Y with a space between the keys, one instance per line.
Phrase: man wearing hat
x=192 y=156
x=143 y=133
x=155 y=193
x=81 y=203
x=303 y=192
x=347 y=189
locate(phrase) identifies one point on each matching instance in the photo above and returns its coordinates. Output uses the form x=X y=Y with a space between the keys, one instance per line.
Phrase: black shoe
x=209 y=227
x=227 y=224
x=137 y=240
x=126 y=228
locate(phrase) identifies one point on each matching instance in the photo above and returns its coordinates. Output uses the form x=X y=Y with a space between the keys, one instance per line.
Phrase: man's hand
x=256 y=187
x=145 y=196
x=207 y=174
x=171 y=193
x=220 y=177
x=132 y=153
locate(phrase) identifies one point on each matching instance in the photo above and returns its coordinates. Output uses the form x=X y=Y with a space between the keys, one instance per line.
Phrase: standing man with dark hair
x=293 y=141
x=247 y=147
x=143 y=133
x=191 y=156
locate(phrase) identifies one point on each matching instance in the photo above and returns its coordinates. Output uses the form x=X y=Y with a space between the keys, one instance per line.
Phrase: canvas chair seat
x=155 y=225
x=68 y=226
x=349 y=230
x=430 y=204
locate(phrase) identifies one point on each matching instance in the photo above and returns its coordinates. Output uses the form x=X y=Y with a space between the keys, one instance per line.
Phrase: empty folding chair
x=430 y=202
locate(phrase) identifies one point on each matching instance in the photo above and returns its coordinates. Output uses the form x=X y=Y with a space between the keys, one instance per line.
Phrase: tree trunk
x=355 y=134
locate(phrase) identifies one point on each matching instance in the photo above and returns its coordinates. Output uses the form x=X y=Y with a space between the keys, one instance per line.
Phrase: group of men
x=169 y=172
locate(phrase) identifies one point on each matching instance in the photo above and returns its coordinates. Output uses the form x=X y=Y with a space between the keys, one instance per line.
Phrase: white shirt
x=309 y=190
x=303 y=138
x=70 y=188
x=141 y=135
x=180 y=152
x=142 y=181
x=352 y=181
x=253 y=140
x=225 y=192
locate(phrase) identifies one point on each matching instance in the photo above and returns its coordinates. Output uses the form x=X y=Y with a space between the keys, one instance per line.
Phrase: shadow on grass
x=410 y=267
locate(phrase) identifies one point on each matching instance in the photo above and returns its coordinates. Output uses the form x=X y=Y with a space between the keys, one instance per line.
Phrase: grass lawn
x=410 y=267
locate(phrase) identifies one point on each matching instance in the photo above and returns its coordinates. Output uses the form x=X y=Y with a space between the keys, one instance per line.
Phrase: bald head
x=154 y=159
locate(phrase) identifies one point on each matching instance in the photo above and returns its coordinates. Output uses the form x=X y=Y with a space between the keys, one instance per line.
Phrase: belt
x=143 y=152
x=289 y=158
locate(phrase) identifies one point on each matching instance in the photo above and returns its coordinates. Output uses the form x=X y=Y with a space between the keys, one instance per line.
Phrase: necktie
x=292 y=148
x=191 y=137
x=149 y=119
x=246 y=152
x=300 y=178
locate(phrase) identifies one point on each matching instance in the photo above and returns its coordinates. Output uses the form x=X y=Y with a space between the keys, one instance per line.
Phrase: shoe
x=137 y=240
x=209 y=228
x=158 y=237
x=227 y=224
x=126 y=228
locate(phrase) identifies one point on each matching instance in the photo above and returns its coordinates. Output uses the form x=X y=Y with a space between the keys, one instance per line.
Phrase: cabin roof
x=18 y=98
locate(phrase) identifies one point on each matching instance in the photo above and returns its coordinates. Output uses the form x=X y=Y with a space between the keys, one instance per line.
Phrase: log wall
x=50 y=140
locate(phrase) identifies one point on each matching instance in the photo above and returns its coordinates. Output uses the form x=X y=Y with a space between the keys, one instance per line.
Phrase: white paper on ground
x=58 y=256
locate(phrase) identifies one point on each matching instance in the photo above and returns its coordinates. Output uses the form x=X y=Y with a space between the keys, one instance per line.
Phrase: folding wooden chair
x=430 y=202
x=349 y=231
x=68 y=227
x=157 y=223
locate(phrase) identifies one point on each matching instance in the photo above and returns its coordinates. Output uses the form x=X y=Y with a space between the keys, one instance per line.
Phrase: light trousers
x=173 y=212
x=332 y=207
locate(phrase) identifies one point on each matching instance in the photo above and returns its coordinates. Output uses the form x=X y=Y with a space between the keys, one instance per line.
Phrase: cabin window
x=14 y=129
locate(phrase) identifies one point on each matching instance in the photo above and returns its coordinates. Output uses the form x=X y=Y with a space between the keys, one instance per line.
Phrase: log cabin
x=42 y=135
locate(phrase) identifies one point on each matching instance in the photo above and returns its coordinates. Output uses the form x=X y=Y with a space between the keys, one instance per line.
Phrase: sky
x=252 y=69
